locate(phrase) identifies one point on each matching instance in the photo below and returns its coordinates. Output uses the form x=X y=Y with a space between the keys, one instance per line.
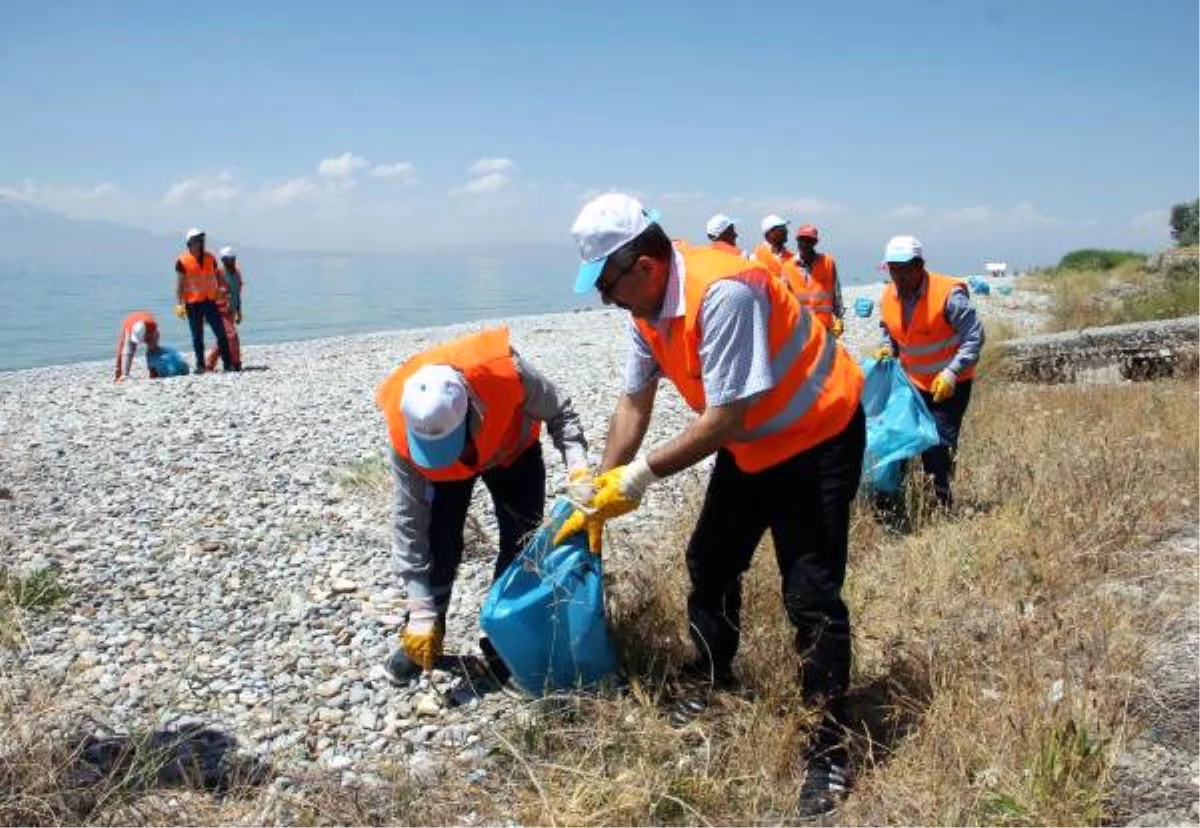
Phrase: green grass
x=1093 y=259
x=36 y=591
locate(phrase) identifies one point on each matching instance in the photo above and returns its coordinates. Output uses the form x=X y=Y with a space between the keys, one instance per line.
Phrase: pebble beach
x=225 y=540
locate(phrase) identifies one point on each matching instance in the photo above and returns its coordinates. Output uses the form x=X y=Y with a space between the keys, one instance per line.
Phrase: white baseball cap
x=902 y=249
x=605 y=224
x=434 y=403
x=138 y=333
x=228 y=253
x=772 y=221
x=718 y=224
x=193 y=233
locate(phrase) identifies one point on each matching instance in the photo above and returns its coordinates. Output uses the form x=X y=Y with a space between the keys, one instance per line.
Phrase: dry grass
x=995 y=652
x=1125 y=293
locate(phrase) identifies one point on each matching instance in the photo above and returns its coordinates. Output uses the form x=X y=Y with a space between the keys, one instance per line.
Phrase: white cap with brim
x=772 y=221
x=604 y=225
x=718 y=224
x=228 y=253
x=195 y=232
x=434 y=403
x=901 y=249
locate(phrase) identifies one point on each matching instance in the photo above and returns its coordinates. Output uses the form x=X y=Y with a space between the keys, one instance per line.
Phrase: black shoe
x=401 y=669
x=824 y=787
x=494 y=662
x=698 y=682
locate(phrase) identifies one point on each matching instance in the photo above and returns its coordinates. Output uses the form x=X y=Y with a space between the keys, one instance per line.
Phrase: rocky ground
x=227 y=551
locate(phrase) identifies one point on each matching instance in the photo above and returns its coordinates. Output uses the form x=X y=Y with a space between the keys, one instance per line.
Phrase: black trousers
x=519 y=497
x=197 y=314
x=805 y=502
x=938 y=461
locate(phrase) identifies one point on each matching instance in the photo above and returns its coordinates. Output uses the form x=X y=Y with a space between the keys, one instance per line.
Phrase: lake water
x=53 y=319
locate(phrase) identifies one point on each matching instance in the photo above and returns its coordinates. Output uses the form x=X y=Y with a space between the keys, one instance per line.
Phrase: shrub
x=1093 y=259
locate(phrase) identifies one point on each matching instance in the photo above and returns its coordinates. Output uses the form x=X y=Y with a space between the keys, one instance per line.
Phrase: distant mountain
x=37 y=240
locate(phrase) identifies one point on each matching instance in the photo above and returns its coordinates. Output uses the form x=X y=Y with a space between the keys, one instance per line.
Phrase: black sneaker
x=698 y=682
x=401 y=669
x=494 y=662
x=823 y=789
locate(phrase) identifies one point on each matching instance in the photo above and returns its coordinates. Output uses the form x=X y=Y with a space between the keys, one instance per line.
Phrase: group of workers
x=205 y=292
x=751 y=344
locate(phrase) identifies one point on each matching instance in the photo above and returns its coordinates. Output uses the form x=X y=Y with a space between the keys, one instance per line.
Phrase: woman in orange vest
x=815 y=281
x=928 y=321
x=465 y=410
x=198 y=283
x=139 y=328
x=777 y=401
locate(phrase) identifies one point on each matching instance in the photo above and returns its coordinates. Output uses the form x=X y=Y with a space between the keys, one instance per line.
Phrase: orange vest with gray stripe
x=817 y=384
x=929 y=342
x=815 y=292
x=199 y=278
x=486 y=362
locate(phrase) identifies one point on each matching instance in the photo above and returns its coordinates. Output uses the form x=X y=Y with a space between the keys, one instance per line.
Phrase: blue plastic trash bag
x=899 y=425
x=1004 y=290
x=167 y=362
x=545 y=614
x=863 y=306
x=979 y=286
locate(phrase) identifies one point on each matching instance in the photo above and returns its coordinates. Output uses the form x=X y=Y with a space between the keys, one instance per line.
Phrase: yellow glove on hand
x=180 y=311
x=618 y=492
x=943 y=386
x=882 y=353
x=424 y=634
x=838 y=327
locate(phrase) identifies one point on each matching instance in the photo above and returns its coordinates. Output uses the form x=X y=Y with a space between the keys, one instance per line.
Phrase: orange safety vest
x=726 y=246
x=127 y=328
x=199 y=278
x=486 y=362
x=817 y=384
x=774 y=264
x=929 y=342
x=816 y=290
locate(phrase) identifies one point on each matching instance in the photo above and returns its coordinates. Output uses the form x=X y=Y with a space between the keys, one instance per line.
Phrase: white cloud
x=906 y=211
x=203 y=189
x=401 y=172
x=289 y=192
x=344 y=166
x=490 y=183
x=486 y=166
x=59 y=198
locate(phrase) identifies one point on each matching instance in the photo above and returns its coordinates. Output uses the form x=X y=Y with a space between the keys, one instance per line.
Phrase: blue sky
x=1014 y=130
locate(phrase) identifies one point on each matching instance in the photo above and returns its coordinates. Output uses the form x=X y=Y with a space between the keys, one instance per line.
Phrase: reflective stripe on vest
x=199 y=278
x=817 y=384
x=485 y=360
x=816 y=290
x=929 y=343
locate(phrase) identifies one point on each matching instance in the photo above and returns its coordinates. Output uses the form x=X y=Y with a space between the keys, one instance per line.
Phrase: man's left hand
x=838 y=327
x=943 y=385
x=618 y=492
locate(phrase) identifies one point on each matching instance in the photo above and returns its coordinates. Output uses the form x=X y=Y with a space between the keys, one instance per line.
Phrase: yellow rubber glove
x=618 y=492
x=943 y=386
x=883 y=352
x=424 y=634
x=838 y=327
x=180 y=311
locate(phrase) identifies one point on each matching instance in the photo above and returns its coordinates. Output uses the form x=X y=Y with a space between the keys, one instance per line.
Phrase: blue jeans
x=197 y=314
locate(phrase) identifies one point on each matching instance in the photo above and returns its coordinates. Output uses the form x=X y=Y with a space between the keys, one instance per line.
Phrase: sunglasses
x=607 y=285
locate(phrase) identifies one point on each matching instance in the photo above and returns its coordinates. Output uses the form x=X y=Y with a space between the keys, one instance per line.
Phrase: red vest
x=929 y=343
x=817 y=384
x=486 y=362
x=199 y=278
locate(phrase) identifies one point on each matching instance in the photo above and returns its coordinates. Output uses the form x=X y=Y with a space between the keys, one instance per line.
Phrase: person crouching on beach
x=467 y=409
x=229 y=303
x=139 y=328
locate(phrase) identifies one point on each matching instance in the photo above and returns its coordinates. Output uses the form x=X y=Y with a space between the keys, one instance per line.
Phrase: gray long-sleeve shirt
x=961 y=315
x=413 y=492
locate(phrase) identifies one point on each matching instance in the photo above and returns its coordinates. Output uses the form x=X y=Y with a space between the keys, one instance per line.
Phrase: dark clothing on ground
x=518 y=495
x=197 y=314
x=805 y=502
